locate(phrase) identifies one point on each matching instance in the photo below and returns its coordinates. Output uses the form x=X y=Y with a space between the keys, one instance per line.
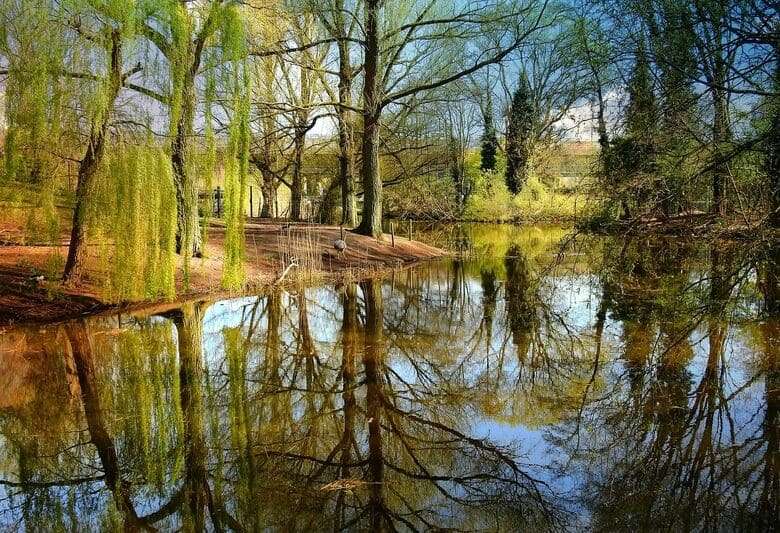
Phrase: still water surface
x=520 y=386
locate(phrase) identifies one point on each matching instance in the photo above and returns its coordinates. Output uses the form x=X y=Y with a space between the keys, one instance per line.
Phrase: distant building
x=580 y=123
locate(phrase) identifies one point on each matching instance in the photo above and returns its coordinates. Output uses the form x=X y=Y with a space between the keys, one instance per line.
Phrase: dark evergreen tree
x=519 y=128
x=489 y=139
x=642 y=112
x=630 y=160
x=673 y=43
x=677 y=64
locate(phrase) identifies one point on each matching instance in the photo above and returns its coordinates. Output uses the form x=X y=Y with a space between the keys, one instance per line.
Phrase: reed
x=300 y=248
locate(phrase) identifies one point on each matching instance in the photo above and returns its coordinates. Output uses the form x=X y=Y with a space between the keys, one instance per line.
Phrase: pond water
x=534 y=382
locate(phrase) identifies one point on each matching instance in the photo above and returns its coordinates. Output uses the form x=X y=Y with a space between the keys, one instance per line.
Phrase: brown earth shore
x=270 y=248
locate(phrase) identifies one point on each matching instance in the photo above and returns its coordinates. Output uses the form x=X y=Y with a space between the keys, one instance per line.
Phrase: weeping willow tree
x=195 y=40
x=34 y=49
x=233 y=46
x=181 y=33
x=110 y=39
x=81 y=45
x=133 y=214
x=210 y=159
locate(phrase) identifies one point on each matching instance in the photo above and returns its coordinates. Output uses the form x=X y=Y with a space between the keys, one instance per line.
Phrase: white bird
x=340 y=244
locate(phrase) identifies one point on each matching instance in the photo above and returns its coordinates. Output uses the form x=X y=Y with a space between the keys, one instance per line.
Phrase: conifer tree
x=641 y=114
x=489 y=147
x=672 y=41
x=678 y=70
x=632 y=159
x=519 y=128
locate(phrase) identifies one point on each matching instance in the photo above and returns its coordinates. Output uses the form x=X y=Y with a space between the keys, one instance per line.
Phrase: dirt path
x=270 y=248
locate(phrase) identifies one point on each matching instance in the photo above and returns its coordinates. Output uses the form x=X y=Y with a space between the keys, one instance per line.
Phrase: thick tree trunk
x=269 y=196
x=371 y=223
x=188 y=240
x=346 y=129
x=720 y=137
x=89 y=166
x=296 y=200
x=327 y=210
x=77 y=250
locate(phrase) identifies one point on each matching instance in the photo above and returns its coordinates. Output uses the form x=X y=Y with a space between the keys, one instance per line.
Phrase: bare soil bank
x=270 y=248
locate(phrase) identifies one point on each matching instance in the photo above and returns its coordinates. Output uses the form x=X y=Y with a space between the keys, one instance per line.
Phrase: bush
x=490 y=199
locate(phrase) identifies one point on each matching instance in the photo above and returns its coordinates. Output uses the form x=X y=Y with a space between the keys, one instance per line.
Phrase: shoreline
x=675 y=226
x=269 y=245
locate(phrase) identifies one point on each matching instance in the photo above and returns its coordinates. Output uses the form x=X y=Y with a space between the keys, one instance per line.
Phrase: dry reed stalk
x=300 y=248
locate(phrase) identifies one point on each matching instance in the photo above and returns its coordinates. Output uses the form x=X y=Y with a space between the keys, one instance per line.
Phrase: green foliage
x=180 y=27
x=490 y=199
x=539 y=201
x=627 y=165
x=133 y=214
x=34 y=48
x=675 y=44
x=236 y=180
x=232 y=50
x=522 y=116
x=489 y=146
x=641 y=113
x=210 y=159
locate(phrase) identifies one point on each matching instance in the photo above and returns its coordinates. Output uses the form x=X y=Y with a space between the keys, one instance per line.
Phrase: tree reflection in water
x=632 y=386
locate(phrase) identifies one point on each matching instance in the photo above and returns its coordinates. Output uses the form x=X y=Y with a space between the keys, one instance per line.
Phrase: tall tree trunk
x=346 y=127
x=90 y=164
x=371 y=223
x=296 y=201
x=265 y=163
x=347 y=171
x=601 y=126
x=721 y=135
x=302 y=127
x=188 y=240
x=773 y=155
